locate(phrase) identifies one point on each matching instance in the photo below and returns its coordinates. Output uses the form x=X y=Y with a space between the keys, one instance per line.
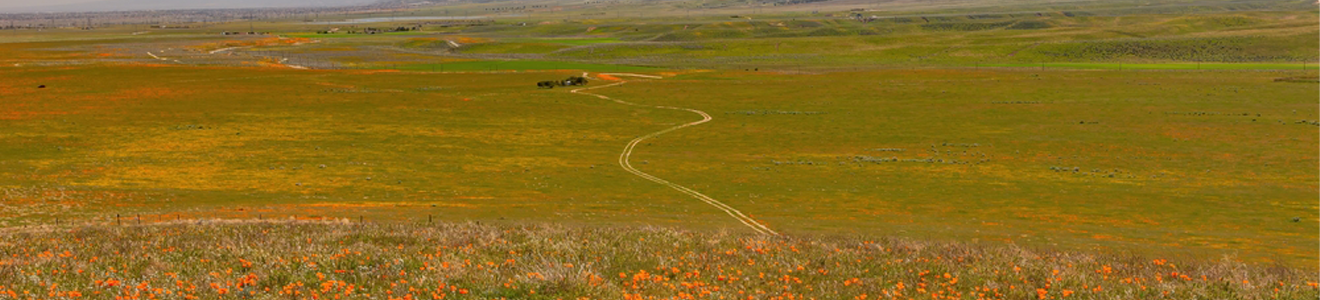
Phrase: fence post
x=118 y=222
x=139 y=219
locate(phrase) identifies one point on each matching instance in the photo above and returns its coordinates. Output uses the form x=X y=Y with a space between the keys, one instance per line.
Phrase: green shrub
x=1029 y=25
x=1234 y=49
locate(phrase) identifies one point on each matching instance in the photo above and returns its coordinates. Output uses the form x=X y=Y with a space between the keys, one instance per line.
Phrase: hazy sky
x=25 y=3
x=103 y=5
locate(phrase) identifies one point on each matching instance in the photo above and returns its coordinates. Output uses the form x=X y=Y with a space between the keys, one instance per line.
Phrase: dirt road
x=627 y=153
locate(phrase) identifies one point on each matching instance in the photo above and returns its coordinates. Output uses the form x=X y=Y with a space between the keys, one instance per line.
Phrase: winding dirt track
x=627 y=153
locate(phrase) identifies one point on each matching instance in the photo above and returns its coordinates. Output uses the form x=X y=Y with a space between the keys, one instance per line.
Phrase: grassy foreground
x=320 y=260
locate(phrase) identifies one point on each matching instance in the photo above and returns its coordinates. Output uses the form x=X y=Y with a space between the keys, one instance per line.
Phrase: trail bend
x=628 y=150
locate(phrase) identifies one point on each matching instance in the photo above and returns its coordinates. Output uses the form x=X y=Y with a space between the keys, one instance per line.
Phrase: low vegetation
x=333 y=260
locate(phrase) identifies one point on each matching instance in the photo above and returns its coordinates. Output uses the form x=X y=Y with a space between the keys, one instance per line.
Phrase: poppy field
x=341 y=260
x=1127 y=162
x=926 y=152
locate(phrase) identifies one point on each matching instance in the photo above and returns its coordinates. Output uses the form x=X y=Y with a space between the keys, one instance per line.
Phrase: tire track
x=627 y=153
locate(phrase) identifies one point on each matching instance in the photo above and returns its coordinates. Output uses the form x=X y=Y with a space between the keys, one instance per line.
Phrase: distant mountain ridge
x=127 y=5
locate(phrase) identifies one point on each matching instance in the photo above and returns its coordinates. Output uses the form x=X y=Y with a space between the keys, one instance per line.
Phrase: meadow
x=1042 y=150
x=1123 y=162
x=490 y=65
x=328 y=260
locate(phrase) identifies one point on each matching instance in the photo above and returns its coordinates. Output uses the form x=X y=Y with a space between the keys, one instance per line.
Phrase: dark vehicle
x=571 y=81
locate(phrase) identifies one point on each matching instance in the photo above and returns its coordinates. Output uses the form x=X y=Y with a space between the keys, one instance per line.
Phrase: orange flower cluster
x=343 y=263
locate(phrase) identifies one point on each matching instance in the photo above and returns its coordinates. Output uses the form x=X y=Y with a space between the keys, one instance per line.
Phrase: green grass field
x=348 y=35
x=566 y=41
x=1168 y=66
x=519 y=65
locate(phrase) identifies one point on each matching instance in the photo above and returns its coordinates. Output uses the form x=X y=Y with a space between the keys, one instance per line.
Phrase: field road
x=627 y=153
x=223 y=50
